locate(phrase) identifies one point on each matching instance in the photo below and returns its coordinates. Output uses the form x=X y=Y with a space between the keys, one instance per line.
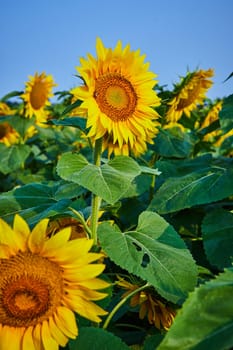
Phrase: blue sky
x=175 y=35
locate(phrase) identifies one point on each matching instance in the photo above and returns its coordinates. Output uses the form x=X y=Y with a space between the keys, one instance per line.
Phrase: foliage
x=165 y=220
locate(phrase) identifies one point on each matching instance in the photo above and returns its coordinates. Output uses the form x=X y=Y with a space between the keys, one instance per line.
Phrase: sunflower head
x=189 y=93
x=43 y=282
x=118 y=98
x=158 y=313
x=38 y=90
x=8 y=135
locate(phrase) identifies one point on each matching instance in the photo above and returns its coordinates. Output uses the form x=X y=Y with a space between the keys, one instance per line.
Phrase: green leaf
x=152 y=342
x=226 y=113
x=13 y=157
x=74 y=105
x=34 y=201
x=206 y=318
x=92 y=338
x=110 y=181
x=76 y=122
x=200 y=187
x=154 y=252
x=217 y=228
x=173 y=143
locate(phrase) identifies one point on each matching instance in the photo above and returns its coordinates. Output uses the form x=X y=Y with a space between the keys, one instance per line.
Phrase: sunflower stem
x=96 y=200
x=121 y=302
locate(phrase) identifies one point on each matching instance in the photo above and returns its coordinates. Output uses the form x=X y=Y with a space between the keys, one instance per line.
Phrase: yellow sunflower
x=43 y=281
x=8 y=135
x=212 y=116
x=118 y=96
x=158 y=313
x=36 y=96
x=189 y=93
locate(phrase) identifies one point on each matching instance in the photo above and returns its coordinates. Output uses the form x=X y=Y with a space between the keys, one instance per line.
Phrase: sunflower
x=212 y=116
x=118 y=96
x=189 y=93
x=36 y=96
x=43 y=281
x=8 y=135
x=158 y=313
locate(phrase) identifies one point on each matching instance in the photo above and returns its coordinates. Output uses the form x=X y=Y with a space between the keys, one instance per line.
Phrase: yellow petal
x=11 y=336
x=75 y=248
x=85 y=308
x=56 y=333
x=85 y=272
x=37 y=237
x=21 y=226
x=27 y=343
x=9 y=237
x=37 y=340
x=88 y=258
x=88 y=294
x=65 y=320
x=48 y=342
x=94 y=283
x=58 y=240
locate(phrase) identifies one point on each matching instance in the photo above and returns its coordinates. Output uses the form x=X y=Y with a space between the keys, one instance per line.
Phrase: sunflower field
x=116 y=211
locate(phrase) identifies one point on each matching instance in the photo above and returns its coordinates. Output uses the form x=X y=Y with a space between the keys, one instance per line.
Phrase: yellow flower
x=8 y=135
x=158 y=314
x=118 y=96
x=38 y=90
x=43 y=281
x=211 y=117
x=189 y=94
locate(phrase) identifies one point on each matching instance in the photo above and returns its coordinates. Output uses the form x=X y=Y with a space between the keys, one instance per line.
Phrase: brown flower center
x=5 y=128
x=31 y=288
x=115 y=96
x=38 y=95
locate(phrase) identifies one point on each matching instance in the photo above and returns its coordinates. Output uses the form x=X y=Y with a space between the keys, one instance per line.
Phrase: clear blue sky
x=51 y=35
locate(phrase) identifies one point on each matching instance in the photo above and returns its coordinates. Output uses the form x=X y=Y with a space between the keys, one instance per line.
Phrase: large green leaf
x=154 y=252
x=110 y=181
x=12 y=158
x=92 y=338
x=36 y=201
x=217 y=228
x=200 y=187
x=206 y=318
x=174 y=143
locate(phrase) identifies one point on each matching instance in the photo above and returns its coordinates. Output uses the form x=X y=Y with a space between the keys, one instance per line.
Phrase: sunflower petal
x=65 y=320
x=56 y=333
x=57 y=241
x=48 y=342
x=27 y=343
x=37 y=237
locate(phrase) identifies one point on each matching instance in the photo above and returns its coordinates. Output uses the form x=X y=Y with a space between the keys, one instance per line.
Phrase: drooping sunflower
x=38 y=90
x=118 y=95
x=8 y=135
x=158 y=313
x=189 y=93
x=43 y=281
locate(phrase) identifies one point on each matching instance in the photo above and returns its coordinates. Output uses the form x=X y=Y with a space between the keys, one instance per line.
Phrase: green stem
x=82 y=220
x=96 y=200
x=121 y=302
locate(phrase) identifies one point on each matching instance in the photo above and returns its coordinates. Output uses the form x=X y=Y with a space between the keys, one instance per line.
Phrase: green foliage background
x=167 y=219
